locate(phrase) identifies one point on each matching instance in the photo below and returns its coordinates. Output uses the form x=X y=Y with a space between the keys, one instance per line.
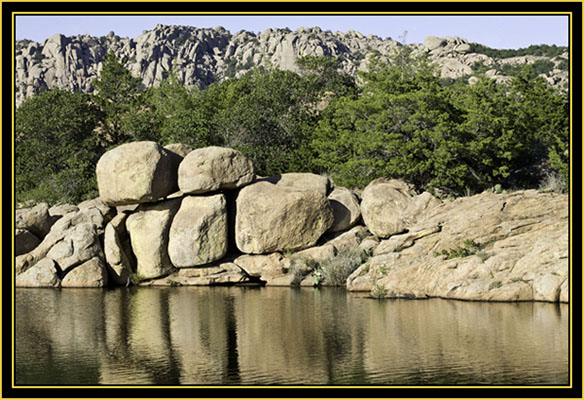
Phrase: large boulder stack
x=226 y=227
x=136 y=172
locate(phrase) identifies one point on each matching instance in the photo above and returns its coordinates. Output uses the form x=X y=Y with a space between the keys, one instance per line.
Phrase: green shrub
x=378 y=291
x=337 y=269
x=469 y=248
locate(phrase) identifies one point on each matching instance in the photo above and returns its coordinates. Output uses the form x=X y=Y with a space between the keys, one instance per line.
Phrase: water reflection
x=266 y=336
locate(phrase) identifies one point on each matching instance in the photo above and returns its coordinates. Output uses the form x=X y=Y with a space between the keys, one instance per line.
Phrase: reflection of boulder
x=201 y=323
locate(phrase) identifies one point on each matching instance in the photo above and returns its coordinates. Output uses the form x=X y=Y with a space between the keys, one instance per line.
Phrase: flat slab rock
x=517 y=247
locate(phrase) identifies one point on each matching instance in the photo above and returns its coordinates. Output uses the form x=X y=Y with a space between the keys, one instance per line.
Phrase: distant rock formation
x=203 y=56
x=280 y=230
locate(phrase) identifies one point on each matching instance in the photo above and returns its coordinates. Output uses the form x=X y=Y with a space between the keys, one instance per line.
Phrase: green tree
x=512 y=130
x=401 y=126
x=265 y=115
x=185 y=114
x=118 y=94
x=55 y=151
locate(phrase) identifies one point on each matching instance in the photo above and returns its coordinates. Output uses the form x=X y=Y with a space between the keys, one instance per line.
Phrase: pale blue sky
x=491 y=30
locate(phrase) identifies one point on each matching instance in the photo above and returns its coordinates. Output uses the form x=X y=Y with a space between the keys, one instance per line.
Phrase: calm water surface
x=277 y=336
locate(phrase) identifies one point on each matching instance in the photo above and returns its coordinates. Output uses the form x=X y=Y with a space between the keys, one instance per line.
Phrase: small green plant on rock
x=378 y=291
x=469 y=248
x=136 y=278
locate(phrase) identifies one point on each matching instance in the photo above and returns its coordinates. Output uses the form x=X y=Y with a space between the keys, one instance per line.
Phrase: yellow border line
x=137 y=14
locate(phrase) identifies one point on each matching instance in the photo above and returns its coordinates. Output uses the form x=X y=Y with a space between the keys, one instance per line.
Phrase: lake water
x=282 y=336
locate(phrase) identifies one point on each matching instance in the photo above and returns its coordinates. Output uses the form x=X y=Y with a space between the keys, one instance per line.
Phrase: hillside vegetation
x=403 y=121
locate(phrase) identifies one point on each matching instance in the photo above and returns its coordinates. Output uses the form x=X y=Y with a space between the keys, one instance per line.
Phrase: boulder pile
x=183 y=216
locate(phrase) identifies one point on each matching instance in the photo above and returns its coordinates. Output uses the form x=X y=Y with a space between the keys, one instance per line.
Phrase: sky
x=496 y=31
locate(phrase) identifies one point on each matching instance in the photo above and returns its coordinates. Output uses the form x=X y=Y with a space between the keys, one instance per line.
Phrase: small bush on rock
x=335 y=271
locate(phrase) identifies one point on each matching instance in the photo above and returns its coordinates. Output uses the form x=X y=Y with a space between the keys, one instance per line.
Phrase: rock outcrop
x=485 y=247
x=205 y=56
x=35 y=220
x=295 y=229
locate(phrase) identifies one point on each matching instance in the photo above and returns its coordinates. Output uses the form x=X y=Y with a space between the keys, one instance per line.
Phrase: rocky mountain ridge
x=201 y=56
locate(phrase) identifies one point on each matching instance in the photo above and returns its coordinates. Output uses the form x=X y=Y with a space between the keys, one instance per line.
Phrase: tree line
x=398 y=119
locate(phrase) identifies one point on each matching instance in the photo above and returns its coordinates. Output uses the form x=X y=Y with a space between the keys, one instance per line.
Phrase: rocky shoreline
x=177 y=216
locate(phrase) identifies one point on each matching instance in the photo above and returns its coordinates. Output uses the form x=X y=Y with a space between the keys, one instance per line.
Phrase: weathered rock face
x=118 y=252
x=212 y=168
x=89 y=217
x=198 y=233
x=24 y=241
x=59 y=210
x=346 y=210
x=391 y=206
x=79 y=244
x=36 y=220
x=270 y=218
x=91 y=273
x=136 y=172
x=301 y=181
x=487 y=247
x=42 y=274
x=148 y=228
